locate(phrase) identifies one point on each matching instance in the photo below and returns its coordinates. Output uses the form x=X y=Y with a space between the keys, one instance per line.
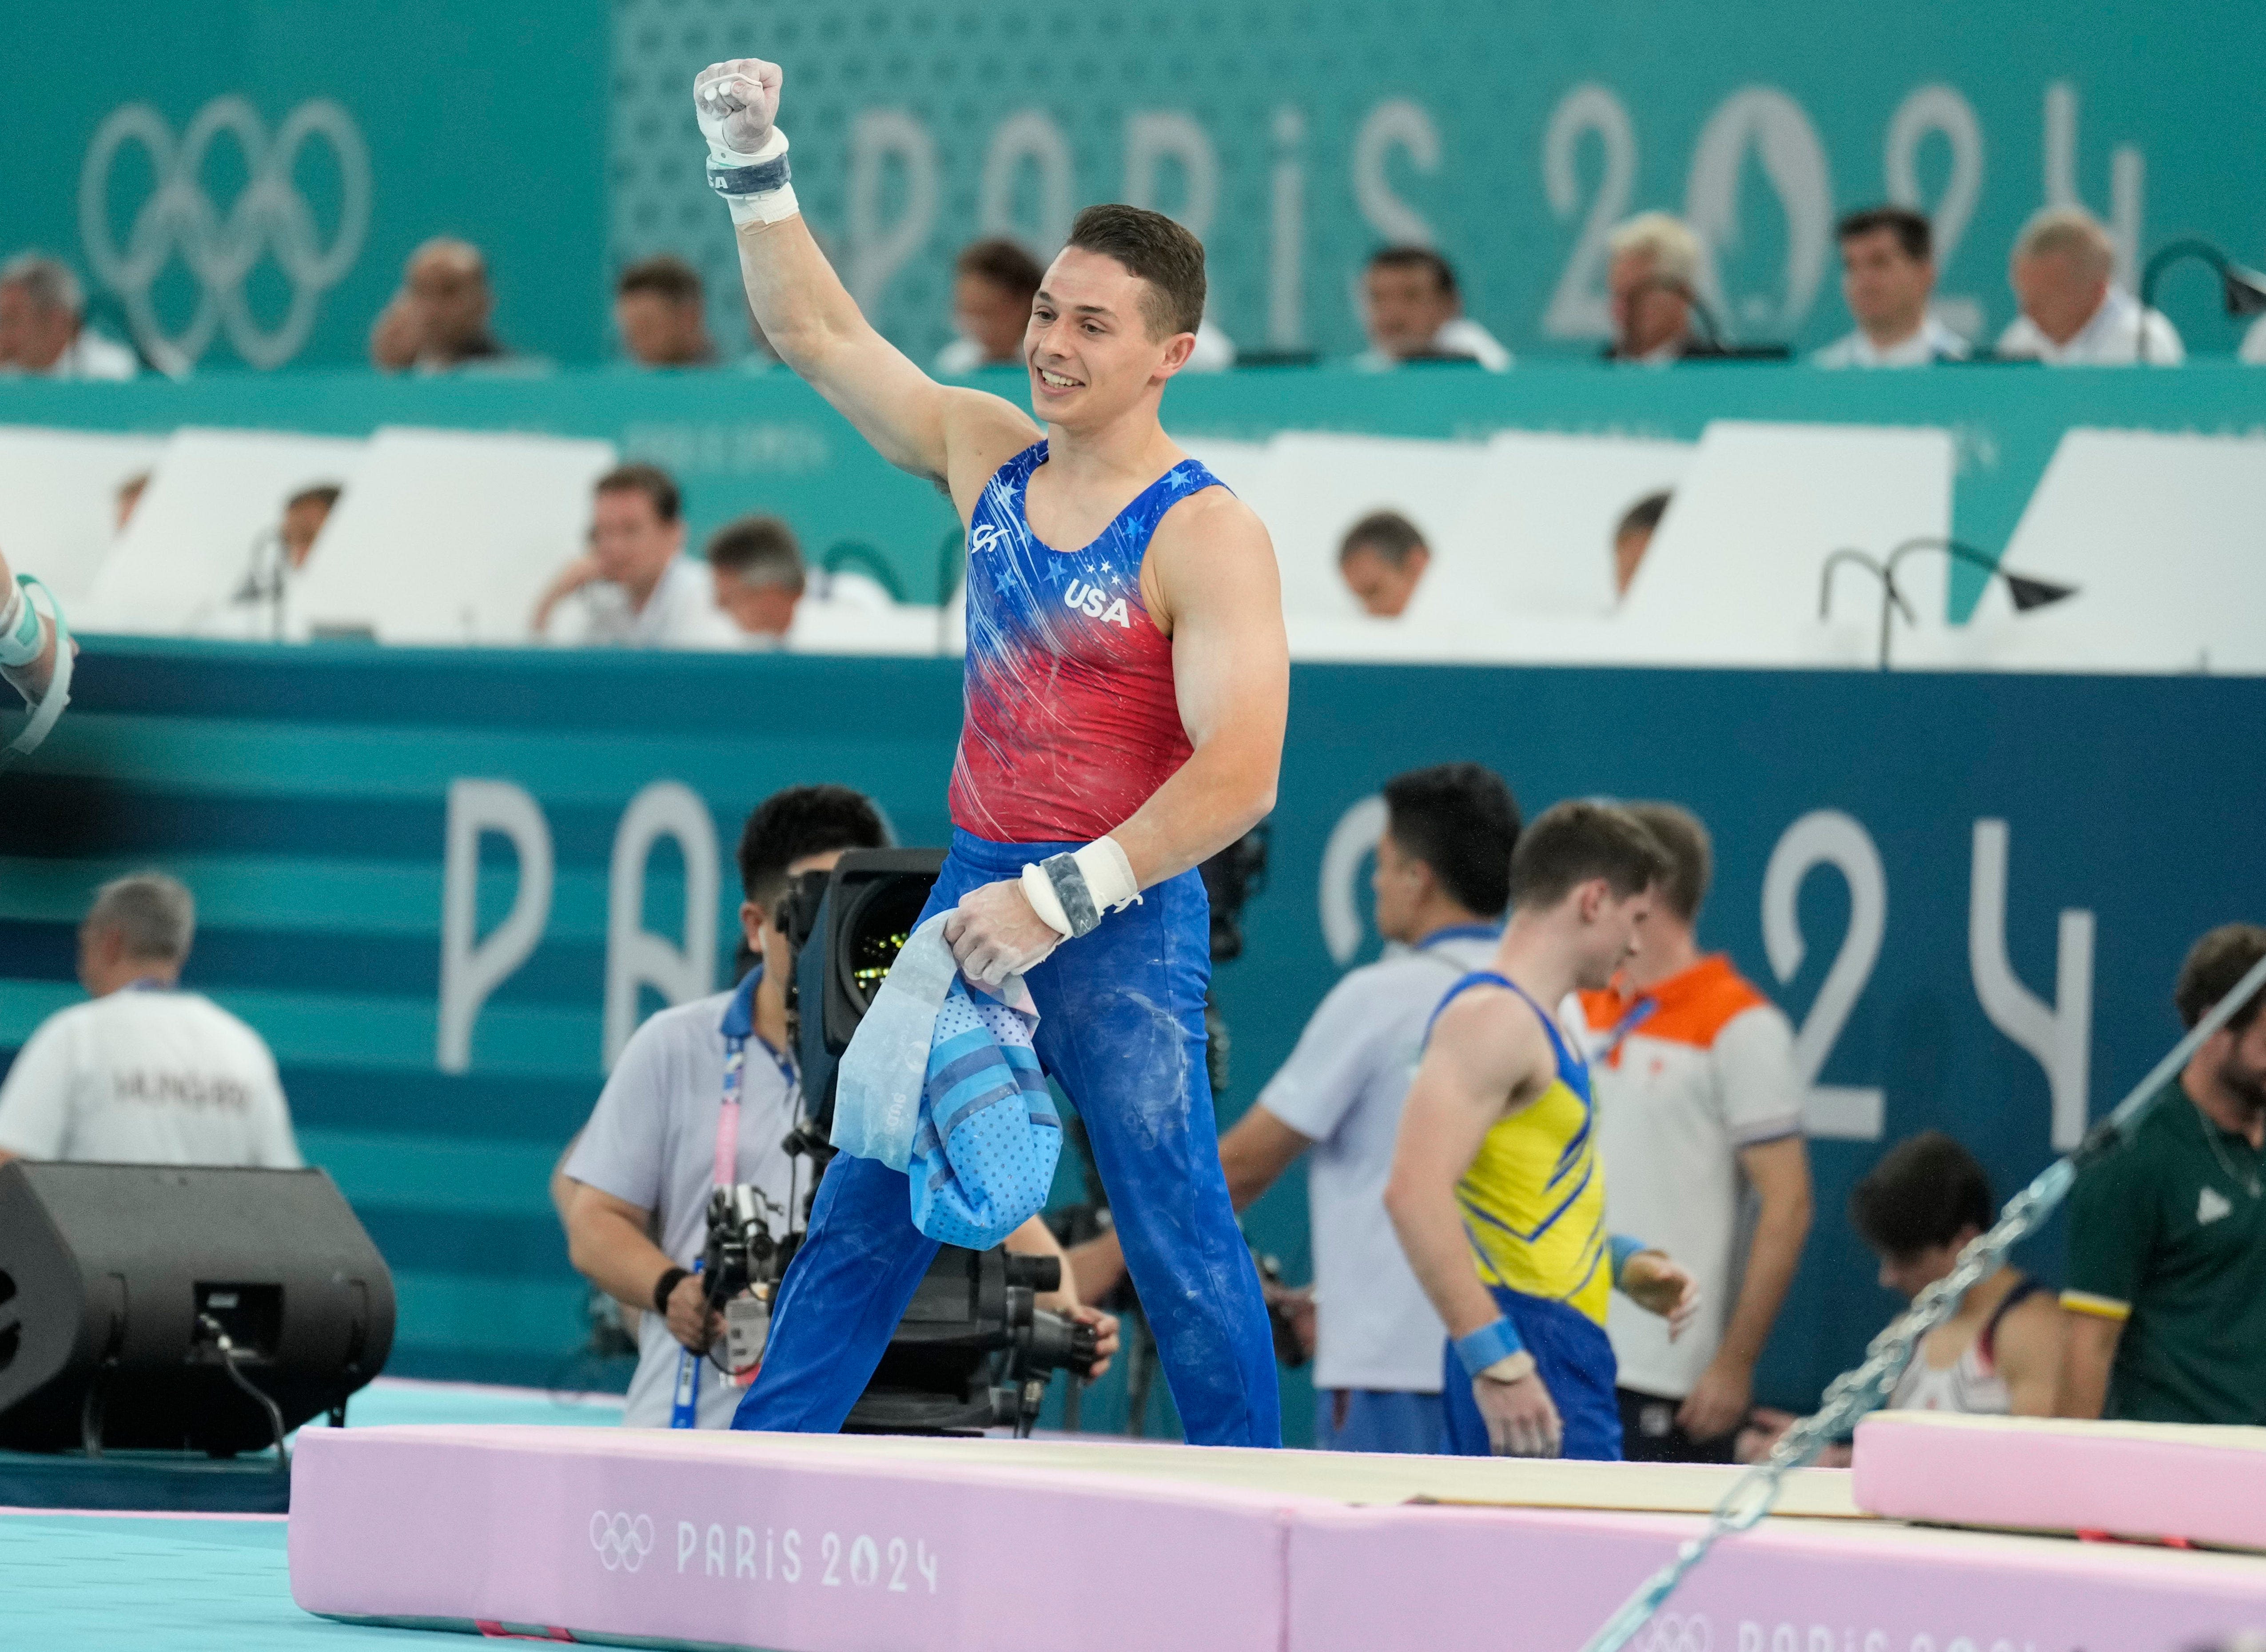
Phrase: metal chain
x=1854 y=1392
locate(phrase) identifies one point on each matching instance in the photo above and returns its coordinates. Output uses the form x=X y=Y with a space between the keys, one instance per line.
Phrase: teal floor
x=135 y=1584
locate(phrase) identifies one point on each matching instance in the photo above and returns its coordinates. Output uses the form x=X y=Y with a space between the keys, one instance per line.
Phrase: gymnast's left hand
x=995 y=933
x=1661 y=1285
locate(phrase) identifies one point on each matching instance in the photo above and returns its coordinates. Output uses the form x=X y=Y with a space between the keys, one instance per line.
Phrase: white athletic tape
x=58 y=695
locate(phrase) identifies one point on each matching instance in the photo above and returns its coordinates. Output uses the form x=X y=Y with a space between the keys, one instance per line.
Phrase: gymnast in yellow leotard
x=1497 y=1189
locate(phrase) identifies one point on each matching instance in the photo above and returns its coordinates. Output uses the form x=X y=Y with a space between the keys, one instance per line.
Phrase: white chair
x=2158 y=534
x=59 y=502
x=206 y=526
x=450 y=536
x=1732 y=575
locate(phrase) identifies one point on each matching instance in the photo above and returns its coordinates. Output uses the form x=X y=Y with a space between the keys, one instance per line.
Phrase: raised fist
x=736 y=102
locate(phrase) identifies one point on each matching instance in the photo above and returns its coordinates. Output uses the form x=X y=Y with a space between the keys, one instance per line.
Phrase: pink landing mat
x=2148 y=1480
x=801 y=1544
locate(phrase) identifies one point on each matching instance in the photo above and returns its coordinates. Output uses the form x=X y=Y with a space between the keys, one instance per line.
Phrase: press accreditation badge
x=747 y=1330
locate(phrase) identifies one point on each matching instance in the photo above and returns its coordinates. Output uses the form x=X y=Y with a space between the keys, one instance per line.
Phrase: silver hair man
x=153 y=916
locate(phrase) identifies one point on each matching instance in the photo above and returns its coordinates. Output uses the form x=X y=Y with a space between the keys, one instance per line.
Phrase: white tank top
x=1970 y=1383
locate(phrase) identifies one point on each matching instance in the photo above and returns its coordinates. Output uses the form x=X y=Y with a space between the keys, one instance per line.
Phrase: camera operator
x=639 y=1178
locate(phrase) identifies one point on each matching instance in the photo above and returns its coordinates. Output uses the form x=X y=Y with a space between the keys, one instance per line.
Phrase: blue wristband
x=1623 y=1248
x=1488 y=1344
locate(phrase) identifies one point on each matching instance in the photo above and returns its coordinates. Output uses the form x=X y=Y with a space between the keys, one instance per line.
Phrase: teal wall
x=303 y=794
x=742 y=442
x=1297 y=139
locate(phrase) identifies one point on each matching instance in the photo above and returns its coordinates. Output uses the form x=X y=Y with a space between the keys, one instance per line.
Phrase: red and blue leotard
x=1071 y=719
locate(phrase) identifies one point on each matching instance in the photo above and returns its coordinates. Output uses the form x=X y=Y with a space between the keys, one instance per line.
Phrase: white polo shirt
x=1930 y=342
x=651 y=1142
x=1344 y=1086
x=2111 y=339
x=1685 y=1075
x=681 y=613
x=147 y=1076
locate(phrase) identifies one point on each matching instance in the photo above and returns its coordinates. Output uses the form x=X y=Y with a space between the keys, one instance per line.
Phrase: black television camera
x=973 y=1350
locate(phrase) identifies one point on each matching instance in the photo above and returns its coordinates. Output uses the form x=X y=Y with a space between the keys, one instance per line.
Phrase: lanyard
x=738 y=1027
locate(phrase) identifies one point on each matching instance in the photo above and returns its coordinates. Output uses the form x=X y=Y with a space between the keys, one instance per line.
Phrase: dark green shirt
x=2168 y=1236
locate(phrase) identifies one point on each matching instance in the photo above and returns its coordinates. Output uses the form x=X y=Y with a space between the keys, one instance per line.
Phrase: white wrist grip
x=1074 y=897
x=755 y=186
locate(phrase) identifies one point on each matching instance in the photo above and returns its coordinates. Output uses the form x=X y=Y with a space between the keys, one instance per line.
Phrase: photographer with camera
x=640 y=1179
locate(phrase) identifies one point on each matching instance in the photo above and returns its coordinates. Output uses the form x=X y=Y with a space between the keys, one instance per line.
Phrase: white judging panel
x=59 y=501
x=206 y=532
x=1535 y=535
x=1732 y=576
x=2158 y=534
x=1315 y=486
x=450 y=536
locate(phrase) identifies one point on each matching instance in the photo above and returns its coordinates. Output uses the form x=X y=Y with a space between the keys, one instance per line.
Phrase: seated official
x=146 y=1074
x=638 y=1180
x=1382 y=559
x=1633 y=537
x=1653 y=283
x=661 y=313
x=260 y=606
x=1999 y=1355
x=1887 y=275
x=2166 y=1286
x=1413 y=309
x=637 y=589
x=440 y=320
x=2075 y=314
x=757 y=568
x=43 y=328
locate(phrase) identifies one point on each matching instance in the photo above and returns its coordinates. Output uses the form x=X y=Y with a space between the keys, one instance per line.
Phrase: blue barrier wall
x=1295 y=140
x=768 y=442
x=304 y=794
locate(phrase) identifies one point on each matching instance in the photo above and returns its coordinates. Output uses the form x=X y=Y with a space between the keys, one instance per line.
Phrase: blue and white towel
x=940 y=1082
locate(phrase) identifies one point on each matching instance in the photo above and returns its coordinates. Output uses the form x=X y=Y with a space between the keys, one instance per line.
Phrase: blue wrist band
x=759 y=179
x=1623 y=1248
x=1488 y=1344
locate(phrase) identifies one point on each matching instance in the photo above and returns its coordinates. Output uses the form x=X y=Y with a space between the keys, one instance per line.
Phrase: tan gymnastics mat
x=1361 y=1480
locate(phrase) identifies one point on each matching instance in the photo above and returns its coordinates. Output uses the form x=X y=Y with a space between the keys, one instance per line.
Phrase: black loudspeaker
x=113 y=1278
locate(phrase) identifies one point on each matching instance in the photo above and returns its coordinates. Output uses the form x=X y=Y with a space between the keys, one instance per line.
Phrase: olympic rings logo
x=622 y=1542
x=1671 y=1631
x=268 y=217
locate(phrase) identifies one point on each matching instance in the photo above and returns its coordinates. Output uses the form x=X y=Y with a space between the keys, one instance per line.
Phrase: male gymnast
x=1126 y=686
x=1497 y=1164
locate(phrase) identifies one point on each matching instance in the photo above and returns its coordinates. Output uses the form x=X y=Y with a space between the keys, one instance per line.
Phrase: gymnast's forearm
x=27 y=641
x=1224 y=790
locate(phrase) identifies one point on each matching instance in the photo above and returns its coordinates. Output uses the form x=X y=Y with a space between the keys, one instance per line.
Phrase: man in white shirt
x=1698 y=1101
x=2253 y=344
x=638 y=588
x=1413 y=309
x=1441 y=882
x=146 y=1074
x=43 y=324
x=2073 y=313
x=638 y=1179
x=1888 y=275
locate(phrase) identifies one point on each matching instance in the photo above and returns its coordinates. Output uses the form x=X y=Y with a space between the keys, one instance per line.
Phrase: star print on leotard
x=1071 y=721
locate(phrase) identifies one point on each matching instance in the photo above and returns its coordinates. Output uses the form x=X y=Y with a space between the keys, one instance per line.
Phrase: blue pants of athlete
x=1120 y=1029
x=1575 y=1363
x=1376 y=1420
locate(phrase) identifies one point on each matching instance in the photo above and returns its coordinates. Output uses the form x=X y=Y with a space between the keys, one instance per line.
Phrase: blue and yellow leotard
x=1533 y=1204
